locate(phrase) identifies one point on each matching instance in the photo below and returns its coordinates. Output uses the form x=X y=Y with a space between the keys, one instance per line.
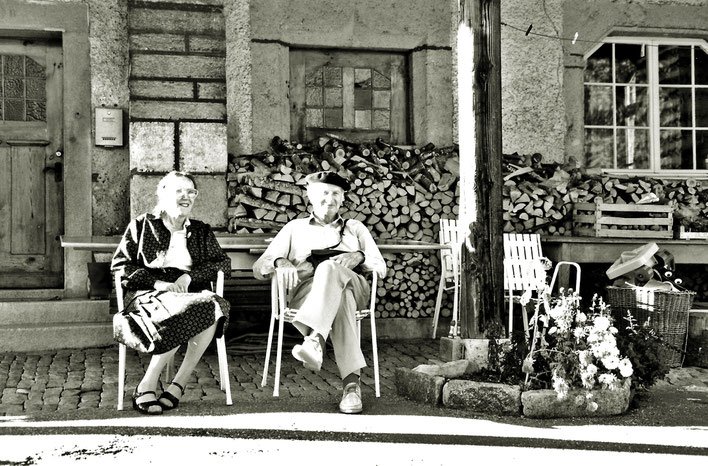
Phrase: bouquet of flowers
x=578 y=349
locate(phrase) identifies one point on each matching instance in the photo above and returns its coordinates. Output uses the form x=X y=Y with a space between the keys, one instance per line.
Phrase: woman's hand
x=349 y=259
x=181 y=285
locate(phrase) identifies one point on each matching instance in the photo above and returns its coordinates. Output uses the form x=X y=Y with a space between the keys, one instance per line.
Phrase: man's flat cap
x=329 y=178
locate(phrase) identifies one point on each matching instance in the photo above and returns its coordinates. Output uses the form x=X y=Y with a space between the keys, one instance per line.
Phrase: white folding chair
x=282 y=313
x=524 y=270
x=224 y=382
x=449 y=272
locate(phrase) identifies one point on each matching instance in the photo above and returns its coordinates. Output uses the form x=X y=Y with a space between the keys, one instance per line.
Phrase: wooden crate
x=623 y=220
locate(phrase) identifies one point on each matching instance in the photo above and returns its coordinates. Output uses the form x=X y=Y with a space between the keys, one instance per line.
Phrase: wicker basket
x=666 y=311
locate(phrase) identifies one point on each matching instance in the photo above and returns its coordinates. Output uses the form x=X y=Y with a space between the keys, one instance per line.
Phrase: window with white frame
x=646 y=105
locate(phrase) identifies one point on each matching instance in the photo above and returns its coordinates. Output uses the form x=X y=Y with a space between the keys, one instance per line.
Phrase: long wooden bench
x=242 y=290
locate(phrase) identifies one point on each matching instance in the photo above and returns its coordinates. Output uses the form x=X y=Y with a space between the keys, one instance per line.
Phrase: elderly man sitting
x=328 y=296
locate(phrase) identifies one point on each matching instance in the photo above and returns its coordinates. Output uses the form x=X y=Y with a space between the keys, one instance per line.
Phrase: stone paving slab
x=78 y=379
x=67 y=380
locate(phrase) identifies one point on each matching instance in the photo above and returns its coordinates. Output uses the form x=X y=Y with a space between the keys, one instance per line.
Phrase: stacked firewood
x=397 y=192
x=411 y=286
x=539 y=198
x=536 y=199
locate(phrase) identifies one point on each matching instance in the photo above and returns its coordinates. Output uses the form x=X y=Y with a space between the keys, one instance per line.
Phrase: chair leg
x=224 y=369
x=438 y=303
x=269 y=346
x=169 y=371
x=121 y=375
x=525 y=318
x=279 y=354
x=455 y=308
x=511 y=312
x=376 y=354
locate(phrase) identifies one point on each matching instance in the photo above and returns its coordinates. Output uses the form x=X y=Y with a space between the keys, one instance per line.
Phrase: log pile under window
x=539 y=198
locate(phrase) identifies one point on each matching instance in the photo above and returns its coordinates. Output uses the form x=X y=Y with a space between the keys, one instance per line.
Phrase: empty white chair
x=449 y=271
x=524 y=269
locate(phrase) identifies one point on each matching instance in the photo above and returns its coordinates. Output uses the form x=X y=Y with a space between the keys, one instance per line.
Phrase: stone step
x=47 y=337
x=22 y=313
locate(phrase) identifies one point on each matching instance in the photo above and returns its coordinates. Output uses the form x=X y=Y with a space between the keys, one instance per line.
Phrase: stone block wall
x=178 y=101
x=421 y=29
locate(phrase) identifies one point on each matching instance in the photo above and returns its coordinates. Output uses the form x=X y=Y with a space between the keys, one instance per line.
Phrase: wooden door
x=31 y=156
x=358 y=96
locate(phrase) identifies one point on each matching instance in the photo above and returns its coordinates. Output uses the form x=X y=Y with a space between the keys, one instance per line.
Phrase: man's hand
x=179 y=286
x=305 y=269
x=349 y=259
x=288 y=271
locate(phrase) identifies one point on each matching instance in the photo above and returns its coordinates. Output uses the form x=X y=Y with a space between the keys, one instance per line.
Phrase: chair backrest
x=523 y=267
x=448 y=237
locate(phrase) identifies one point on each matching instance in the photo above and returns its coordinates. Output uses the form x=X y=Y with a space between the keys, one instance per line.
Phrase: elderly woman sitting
x=167 y=262
x=327 y=297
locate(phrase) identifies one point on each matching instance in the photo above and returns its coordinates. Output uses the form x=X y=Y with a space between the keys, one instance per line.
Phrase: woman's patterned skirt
x=158 y=321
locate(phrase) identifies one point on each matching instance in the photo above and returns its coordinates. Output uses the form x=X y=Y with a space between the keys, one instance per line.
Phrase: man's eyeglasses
x=190 y=193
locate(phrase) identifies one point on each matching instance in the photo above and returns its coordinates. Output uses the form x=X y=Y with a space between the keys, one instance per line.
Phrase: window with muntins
x=646 y=105
x=358 y=96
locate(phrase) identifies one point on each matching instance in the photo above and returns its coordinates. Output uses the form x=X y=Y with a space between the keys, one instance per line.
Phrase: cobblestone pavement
x=88 y=378
x=691 y=379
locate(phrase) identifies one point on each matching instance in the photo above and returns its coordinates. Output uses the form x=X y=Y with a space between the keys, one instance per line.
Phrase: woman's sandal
x=170 y=397
x=145 y=406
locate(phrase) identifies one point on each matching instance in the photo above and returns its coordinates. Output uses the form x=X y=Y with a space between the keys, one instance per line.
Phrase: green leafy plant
x=504 y=360
x=642 y=346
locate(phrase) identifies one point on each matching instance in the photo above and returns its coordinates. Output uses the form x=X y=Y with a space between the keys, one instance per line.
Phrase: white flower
x=625 y=367
x=592 y=406
x=581 y=318
x=607 y=380
x=526 y=297
x=588 y=380
x=578 y=333
x=560 y=386
x=591 y=369
x=613 y=330
x=579 y=400
x=552 y=330
x=611 y=362
x=601 y=323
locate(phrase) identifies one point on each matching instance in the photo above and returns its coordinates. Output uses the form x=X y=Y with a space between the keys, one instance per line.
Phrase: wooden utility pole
x=479 y=67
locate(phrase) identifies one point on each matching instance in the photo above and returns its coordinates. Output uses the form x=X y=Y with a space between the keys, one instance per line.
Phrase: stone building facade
x=199 y=79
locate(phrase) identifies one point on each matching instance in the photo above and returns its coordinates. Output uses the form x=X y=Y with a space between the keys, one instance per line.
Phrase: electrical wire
x=528 y=32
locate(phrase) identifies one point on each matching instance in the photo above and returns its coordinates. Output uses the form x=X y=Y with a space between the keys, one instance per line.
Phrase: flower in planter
x=580 y=349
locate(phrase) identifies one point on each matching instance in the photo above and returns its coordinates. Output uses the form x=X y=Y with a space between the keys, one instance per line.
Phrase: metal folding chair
x=282 y=313
x=224 y=382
